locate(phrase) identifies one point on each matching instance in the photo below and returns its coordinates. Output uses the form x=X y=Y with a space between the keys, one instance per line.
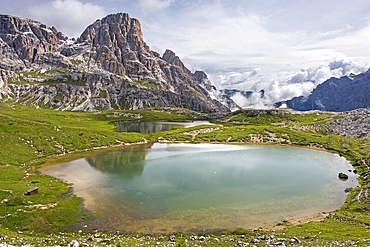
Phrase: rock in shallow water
x=342 y=175
x=347 y=190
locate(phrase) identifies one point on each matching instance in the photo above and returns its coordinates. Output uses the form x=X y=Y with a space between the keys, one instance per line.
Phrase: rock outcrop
x=344 y=94
x=26 y=39
x=108 y=67
x=354 y=124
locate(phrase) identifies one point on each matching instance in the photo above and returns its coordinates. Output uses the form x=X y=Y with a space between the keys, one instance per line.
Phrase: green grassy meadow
x=30 y=137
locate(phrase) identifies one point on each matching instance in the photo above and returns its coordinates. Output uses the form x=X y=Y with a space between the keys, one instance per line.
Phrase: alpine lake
x=161 y=188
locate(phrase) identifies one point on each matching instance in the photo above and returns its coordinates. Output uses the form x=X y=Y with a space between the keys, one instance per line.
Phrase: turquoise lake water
x=195 y=188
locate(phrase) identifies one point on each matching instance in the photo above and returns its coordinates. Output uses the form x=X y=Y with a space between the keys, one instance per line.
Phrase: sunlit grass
x=29 y=136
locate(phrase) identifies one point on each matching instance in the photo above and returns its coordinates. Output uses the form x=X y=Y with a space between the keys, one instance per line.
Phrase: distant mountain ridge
x=335 y=94
x=108 y=67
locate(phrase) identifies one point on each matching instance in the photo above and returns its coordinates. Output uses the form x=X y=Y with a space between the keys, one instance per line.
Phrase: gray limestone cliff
x=23 y=40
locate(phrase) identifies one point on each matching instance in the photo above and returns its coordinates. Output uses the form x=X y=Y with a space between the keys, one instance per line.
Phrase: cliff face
x=115 y=44
x=23 y=40
x=109 y=67
x=343 y=94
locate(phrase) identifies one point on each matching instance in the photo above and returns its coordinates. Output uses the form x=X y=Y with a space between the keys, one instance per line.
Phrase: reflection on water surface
x=192 y=188
x=154 y=127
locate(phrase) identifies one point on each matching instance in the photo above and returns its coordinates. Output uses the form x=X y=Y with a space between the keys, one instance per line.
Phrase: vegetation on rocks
x=29 y=137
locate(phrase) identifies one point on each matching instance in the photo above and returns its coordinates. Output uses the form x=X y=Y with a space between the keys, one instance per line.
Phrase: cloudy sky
x=285 y=47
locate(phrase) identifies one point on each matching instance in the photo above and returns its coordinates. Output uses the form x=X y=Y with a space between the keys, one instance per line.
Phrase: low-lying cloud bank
x=293 y=85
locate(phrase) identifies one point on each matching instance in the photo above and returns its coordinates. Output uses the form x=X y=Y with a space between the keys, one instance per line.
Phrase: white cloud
x=235 y=78
x=69 y=16
x=337 y=67
x=335 y=33
x=229 y=42
x=154 y=5
x=208 y=31
x=298 y=84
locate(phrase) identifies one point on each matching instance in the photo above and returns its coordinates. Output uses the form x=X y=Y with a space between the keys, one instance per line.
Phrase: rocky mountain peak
x=26 y=39
x=111 y=63
x=170 y=57
x=119 y=18
x=115 y=44
x=200 y=76
x=116 y=30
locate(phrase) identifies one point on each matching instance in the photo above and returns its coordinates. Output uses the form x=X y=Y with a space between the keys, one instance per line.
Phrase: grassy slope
x=28 y=136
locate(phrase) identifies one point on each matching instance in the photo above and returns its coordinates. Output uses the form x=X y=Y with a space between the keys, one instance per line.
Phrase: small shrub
x=15 y=201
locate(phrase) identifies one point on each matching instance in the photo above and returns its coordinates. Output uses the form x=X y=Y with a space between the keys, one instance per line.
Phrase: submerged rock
x=342 y=175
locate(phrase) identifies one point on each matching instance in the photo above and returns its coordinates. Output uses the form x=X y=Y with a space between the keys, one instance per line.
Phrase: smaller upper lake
x=154 y=127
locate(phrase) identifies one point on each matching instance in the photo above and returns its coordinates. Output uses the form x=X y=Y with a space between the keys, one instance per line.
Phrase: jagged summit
x=170 y=57
x=116 y=44
x=110 y=63
x=116 y=30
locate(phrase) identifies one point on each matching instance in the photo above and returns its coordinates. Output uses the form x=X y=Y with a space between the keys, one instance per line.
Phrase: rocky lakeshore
x=254 y=238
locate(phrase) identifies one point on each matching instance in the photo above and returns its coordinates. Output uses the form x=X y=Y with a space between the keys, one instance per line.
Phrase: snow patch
x=47 y=30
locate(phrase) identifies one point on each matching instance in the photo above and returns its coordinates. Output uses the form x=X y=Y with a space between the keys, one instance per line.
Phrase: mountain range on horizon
x=335 y=94
x=111 y=67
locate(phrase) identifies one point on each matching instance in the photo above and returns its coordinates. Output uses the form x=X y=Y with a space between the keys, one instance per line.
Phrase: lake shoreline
x=295 y=222
x=272 y=226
